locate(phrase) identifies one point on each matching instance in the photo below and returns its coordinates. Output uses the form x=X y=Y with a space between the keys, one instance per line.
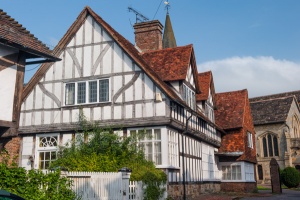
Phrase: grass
x=259 y=187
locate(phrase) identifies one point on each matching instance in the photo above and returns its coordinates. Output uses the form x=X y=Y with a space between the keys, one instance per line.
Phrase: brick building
x=237 y=154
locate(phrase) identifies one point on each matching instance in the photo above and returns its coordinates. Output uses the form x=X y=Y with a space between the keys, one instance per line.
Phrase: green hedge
x=290 y=177
x=34 y=184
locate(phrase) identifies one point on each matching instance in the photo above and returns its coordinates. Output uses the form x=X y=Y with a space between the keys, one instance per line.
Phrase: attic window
x=86 y=92
x=189 y=96
x=250 y=140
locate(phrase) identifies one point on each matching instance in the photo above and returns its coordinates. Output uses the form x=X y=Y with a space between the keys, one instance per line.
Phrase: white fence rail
x=104 y=186
x=97 y=185
x=135 y=190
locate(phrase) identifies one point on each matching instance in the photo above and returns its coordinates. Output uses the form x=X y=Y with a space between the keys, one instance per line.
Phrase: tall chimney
x=148 y=35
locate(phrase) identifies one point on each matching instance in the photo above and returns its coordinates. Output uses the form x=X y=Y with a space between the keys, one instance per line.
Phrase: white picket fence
x=135 y=190
x=103 y=185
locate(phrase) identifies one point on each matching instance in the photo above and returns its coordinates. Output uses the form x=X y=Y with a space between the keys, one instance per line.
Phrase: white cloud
x=260 y=75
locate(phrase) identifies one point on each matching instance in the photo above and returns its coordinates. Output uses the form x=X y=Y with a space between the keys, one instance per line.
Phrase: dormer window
x=189 y=96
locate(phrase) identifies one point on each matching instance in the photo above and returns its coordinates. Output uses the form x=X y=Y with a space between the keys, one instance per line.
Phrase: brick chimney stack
x=148 y=35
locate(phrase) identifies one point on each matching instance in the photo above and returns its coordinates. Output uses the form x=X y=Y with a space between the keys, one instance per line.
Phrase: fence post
x=125 y=182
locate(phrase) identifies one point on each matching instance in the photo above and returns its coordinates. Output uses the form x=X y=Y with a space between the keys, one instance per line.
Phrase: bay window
x=150 y=142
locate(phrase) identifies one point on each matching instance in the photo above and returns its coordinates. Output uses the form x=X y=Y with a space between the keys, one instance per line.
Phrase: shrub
x=290 y=177
x=34 y=184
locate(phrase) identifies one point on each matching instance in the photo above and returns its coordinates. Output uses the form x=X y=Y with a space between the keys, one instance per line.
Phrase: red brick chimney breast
x=148 y=35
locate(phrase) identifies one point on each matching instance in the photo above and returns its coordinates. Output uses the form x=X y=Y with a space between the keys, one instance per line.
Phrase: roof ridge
x=167 y=49
x=270 y=95
x=277 y=98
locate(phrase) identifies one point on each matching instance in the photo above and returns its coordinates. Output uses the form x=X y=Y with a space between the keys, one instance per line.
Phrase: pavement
x=287 y=194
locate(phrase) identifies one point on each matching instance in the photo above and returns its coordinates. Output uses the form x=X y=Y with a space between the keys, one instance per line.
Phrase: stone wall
x=238 y=187
x=193 y=190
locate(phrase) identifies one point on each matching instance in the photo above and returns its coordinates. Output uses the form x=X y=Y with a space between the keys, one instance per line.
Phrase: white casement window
x=173 y=148
x=231 y=172
x=150 y=143
x=47 y=146
x=250 y=140
x=85 y=92
x=189 y=96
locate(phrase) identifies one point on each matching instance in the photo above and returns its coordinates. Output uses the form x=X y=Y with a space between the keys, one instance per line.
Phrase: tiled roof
x=125 y=44
x=274 y=96
x=170 y=64
x=273 y=110
x=15 y=35
x=205 y=81
x=230 y=109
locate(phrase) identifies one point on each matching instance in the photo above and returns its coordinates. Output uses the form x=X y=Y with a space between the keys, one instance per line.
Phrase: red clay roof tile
x=170 y=64
x=14 y=34
x=230 y=109
x=205 y=79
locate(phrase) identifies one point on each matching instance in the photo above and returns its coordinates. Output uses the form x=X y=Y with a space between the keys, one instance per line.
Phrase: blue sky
x=248 y=44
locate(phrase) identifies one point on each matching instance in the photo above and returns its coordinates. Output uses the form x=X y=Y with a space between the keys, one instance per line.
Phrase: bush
x=290 y=177
x=34 y=184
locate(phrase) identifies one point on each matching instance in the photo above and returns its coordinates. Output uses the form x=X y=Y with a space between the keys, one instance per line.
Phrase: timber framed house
x=141 y=87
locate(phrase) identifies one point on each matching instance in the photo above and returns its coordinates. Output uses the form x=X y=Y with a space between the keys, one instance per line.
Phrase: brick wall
x=148 y=35
x=238 y=187
x=12 y=145
x=193 y=191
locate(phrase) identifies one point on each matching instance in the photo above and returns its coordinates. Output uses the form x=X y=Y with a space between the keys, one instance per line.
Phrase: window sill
x=87 y=105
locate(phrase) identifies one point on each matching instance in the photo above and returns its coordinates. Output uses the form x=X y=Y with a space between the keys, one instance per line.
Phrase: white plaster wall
x=26 y=151
x=7 y=91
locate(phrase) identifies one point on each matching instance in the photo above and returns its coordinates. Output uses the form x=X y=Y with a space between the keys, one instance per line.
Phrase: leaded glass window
x=70 y=93
x=93 y=91
x=103 y=90
x=81 y=92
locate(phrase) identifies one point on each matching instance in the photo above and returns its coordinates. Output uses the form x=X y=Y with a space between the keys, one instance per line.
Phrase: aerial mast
x=138 y=16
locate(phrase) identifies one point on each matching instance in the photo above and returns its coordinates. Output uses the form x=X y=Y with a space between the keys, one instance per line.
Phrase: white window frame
x=189 y=96
x=87 y=92
x=250 y=139
x=247 y=171
x=45 y=149
x=152 y=141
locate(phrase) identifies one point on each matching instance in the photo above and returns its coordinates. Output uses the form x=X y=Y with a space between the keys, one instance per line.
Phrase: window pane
x=81 y=91
x=265 y=147
x=157 y=135
x=157 y=150
x=70 y=93
x=103 y=90
x=270 y=145
x=275 y=142
x=93 y=91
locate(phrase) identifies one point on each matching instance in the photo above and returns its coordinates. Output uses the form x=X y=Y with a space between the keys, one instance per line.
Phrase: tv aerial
x=138 y=16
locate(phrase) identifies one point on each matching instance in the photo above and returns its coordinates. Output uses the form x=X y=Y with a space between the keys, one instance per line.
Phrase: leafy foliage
x=34 y=184
x=102 y=150
x=290 y=177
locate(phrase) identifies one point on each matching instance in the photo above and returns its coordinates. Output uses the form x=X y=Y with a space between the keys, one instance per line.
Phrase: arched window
x=296 y=125
x=270 y=145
